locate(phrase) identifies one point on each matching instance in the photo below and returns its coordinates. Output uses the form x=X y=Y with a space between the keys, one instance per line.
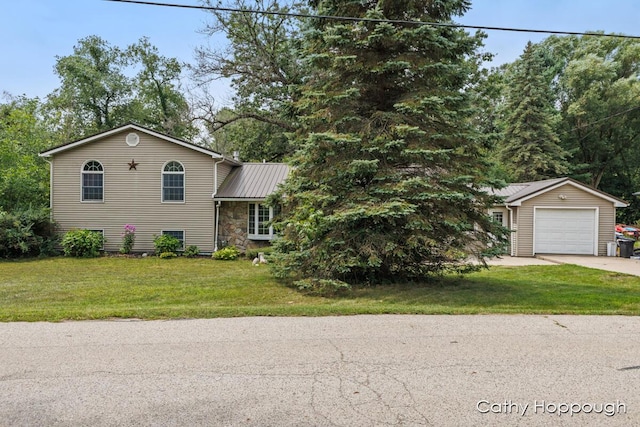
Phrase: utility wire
x=374 y=20
x=395 y=21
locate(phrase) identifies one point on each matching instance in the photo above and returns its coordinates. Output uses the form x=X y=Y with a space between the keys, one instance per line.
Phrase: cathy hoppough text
x=543 y=407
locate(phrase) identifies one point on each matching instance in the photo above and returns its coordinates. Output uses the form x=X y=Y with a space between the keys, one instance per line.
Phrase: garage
x=566 y=231
x=557 y=216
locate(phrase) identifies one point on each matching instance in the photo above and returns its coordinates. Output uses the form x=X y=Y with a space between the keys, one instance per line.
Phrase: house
x=161 y=185
x=557 y=216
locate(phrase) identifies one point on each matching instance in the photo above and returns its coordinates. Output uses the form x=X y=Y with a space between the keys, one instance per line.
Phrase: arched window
x=92 y=181
x=173 y=182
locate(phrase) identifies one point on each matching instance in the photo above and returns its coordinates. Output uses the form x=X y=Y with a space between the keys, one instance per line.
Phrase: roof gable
x=517 y=193
x=137 y=128
x=252 y=181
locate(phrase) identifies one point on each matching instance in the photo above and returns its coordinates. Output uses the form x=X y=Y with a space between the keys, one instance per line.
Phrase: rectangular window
x=498 y=217
x=178 y=234
x=92 y=185
x=260 y=217
x=264 y=216
x=252 y=219
x=173 y=188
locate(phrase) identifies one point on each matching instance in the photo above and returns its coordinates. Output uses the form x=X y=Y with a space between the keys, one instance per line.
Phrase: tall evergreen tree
x=388 y=175
x=530 y=148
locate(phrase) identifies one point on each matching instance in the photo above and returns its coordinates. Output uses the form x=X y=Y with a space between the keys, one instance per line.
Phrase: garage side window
x=173 y=182
x=92 y=182
x=498 y=217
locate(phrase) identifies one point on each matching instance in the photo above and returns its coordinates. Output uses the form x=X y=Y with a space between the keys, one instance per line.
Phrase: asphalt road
x=329 y=371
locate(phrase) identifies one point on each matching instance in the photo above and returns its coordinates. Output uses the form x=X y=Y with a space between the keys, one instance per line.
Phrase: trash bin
x=611 y=248
x=626 y=248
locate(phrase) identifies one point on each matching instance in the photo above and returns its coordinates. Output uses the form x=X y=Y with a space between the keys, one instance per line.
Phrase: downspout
x=511 y=234
x=215 y=242
x=216 y=220
x=50 y=188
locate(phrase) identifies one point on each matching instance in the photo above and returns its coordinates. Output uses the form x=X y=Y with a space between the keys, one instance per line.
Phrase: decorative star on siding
x=133 y=165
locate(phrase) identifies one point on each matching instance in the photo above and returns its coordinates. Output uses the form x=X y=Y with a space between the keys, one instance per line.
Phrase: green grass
x=150 y=288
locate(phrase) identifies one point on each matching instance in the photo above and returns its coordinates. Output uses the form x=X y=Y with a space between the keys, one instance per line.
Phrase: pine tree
x=388 y=177
x=530 y=149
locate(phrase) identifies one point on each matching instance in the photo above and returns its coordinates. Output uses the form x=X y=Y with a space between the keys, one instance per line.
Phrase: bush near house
x=227 y=254
x=82 y=243
x=191 y=251
x=168 y=255
x=27 y=233
x=166 y=244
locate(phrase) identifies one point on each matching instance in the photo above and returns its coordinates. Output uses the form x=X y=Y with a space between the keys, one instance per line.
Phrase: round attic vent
x=132 y=139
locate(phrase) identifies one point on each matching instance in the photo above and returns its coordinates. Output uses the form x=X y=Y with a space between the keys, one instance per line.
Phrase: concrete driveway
x=330 y=371
x=613 y=264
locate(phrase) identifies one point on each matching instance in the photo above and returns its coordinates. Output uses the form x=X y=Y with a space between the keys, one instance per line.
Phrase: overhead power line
x=374 y=20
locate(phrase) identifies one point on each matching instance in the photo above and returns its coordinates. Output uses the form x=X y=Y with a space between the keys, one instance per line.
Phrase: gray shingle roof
x=252 y=181
x=138 y=128
x=519 y=190
x=512 y=193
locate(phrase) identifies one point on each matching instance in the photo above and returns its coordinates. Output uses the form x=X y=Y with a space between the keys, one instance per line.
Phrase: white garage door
x=565 y=231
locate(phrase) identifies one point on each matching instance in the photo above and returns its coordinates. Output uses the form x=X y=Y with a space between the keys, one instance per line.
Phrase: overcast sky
x=34 y=32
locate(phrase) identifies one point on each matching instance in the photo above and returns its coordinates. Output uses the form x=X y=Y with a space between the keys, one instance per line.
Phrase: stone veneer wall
x=234 y=217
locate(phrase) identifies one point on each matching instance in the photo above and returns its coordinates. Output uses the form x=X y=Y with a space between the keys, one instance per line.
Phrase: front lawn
x=150 y=288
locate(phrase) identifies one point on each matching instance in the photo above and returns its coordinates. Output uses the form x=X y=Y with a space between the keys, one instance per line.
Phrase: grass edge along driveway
x=57 y=289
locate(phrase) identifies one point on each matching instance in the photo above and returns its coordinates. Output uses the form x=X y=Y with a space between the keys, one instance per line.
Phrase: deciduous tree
x=598 y=90
x=262 y=61
x=159 y=101
x=23 y=175
x=104 y=86
x=95 y=94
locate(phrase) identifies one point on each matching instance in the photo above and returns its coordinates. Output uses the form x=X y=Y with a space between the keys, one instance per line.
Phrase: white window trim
x=184 y=184
x=504 y=216
x=255 y=236
x=82 y=172
x=184 y=237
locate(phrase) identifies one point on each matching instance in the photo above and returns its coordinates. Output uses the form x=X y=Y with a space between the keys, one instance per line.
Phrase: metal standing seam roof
x=252 y=181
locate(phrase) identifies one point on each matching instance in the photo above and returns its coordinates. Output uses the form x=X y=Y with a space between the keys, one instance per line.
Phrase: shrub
x=26 y=233
x=227 y=254
x=322 y=287
x=191 y=251
x=128 y=238
x=166 y=243
x=82 y=243
x=168 y=255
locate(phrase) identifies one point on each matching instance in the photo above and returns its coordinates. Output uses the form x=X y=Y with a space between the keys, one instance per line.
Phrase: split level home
x=557 y=216
x=164 y=185
x=161 y=185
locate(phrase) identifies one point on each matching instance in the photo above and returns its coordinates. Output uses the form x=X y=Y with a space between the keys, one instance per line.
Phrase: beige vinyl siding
x=575 y=198
x=135 y=196
x=224 y=170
